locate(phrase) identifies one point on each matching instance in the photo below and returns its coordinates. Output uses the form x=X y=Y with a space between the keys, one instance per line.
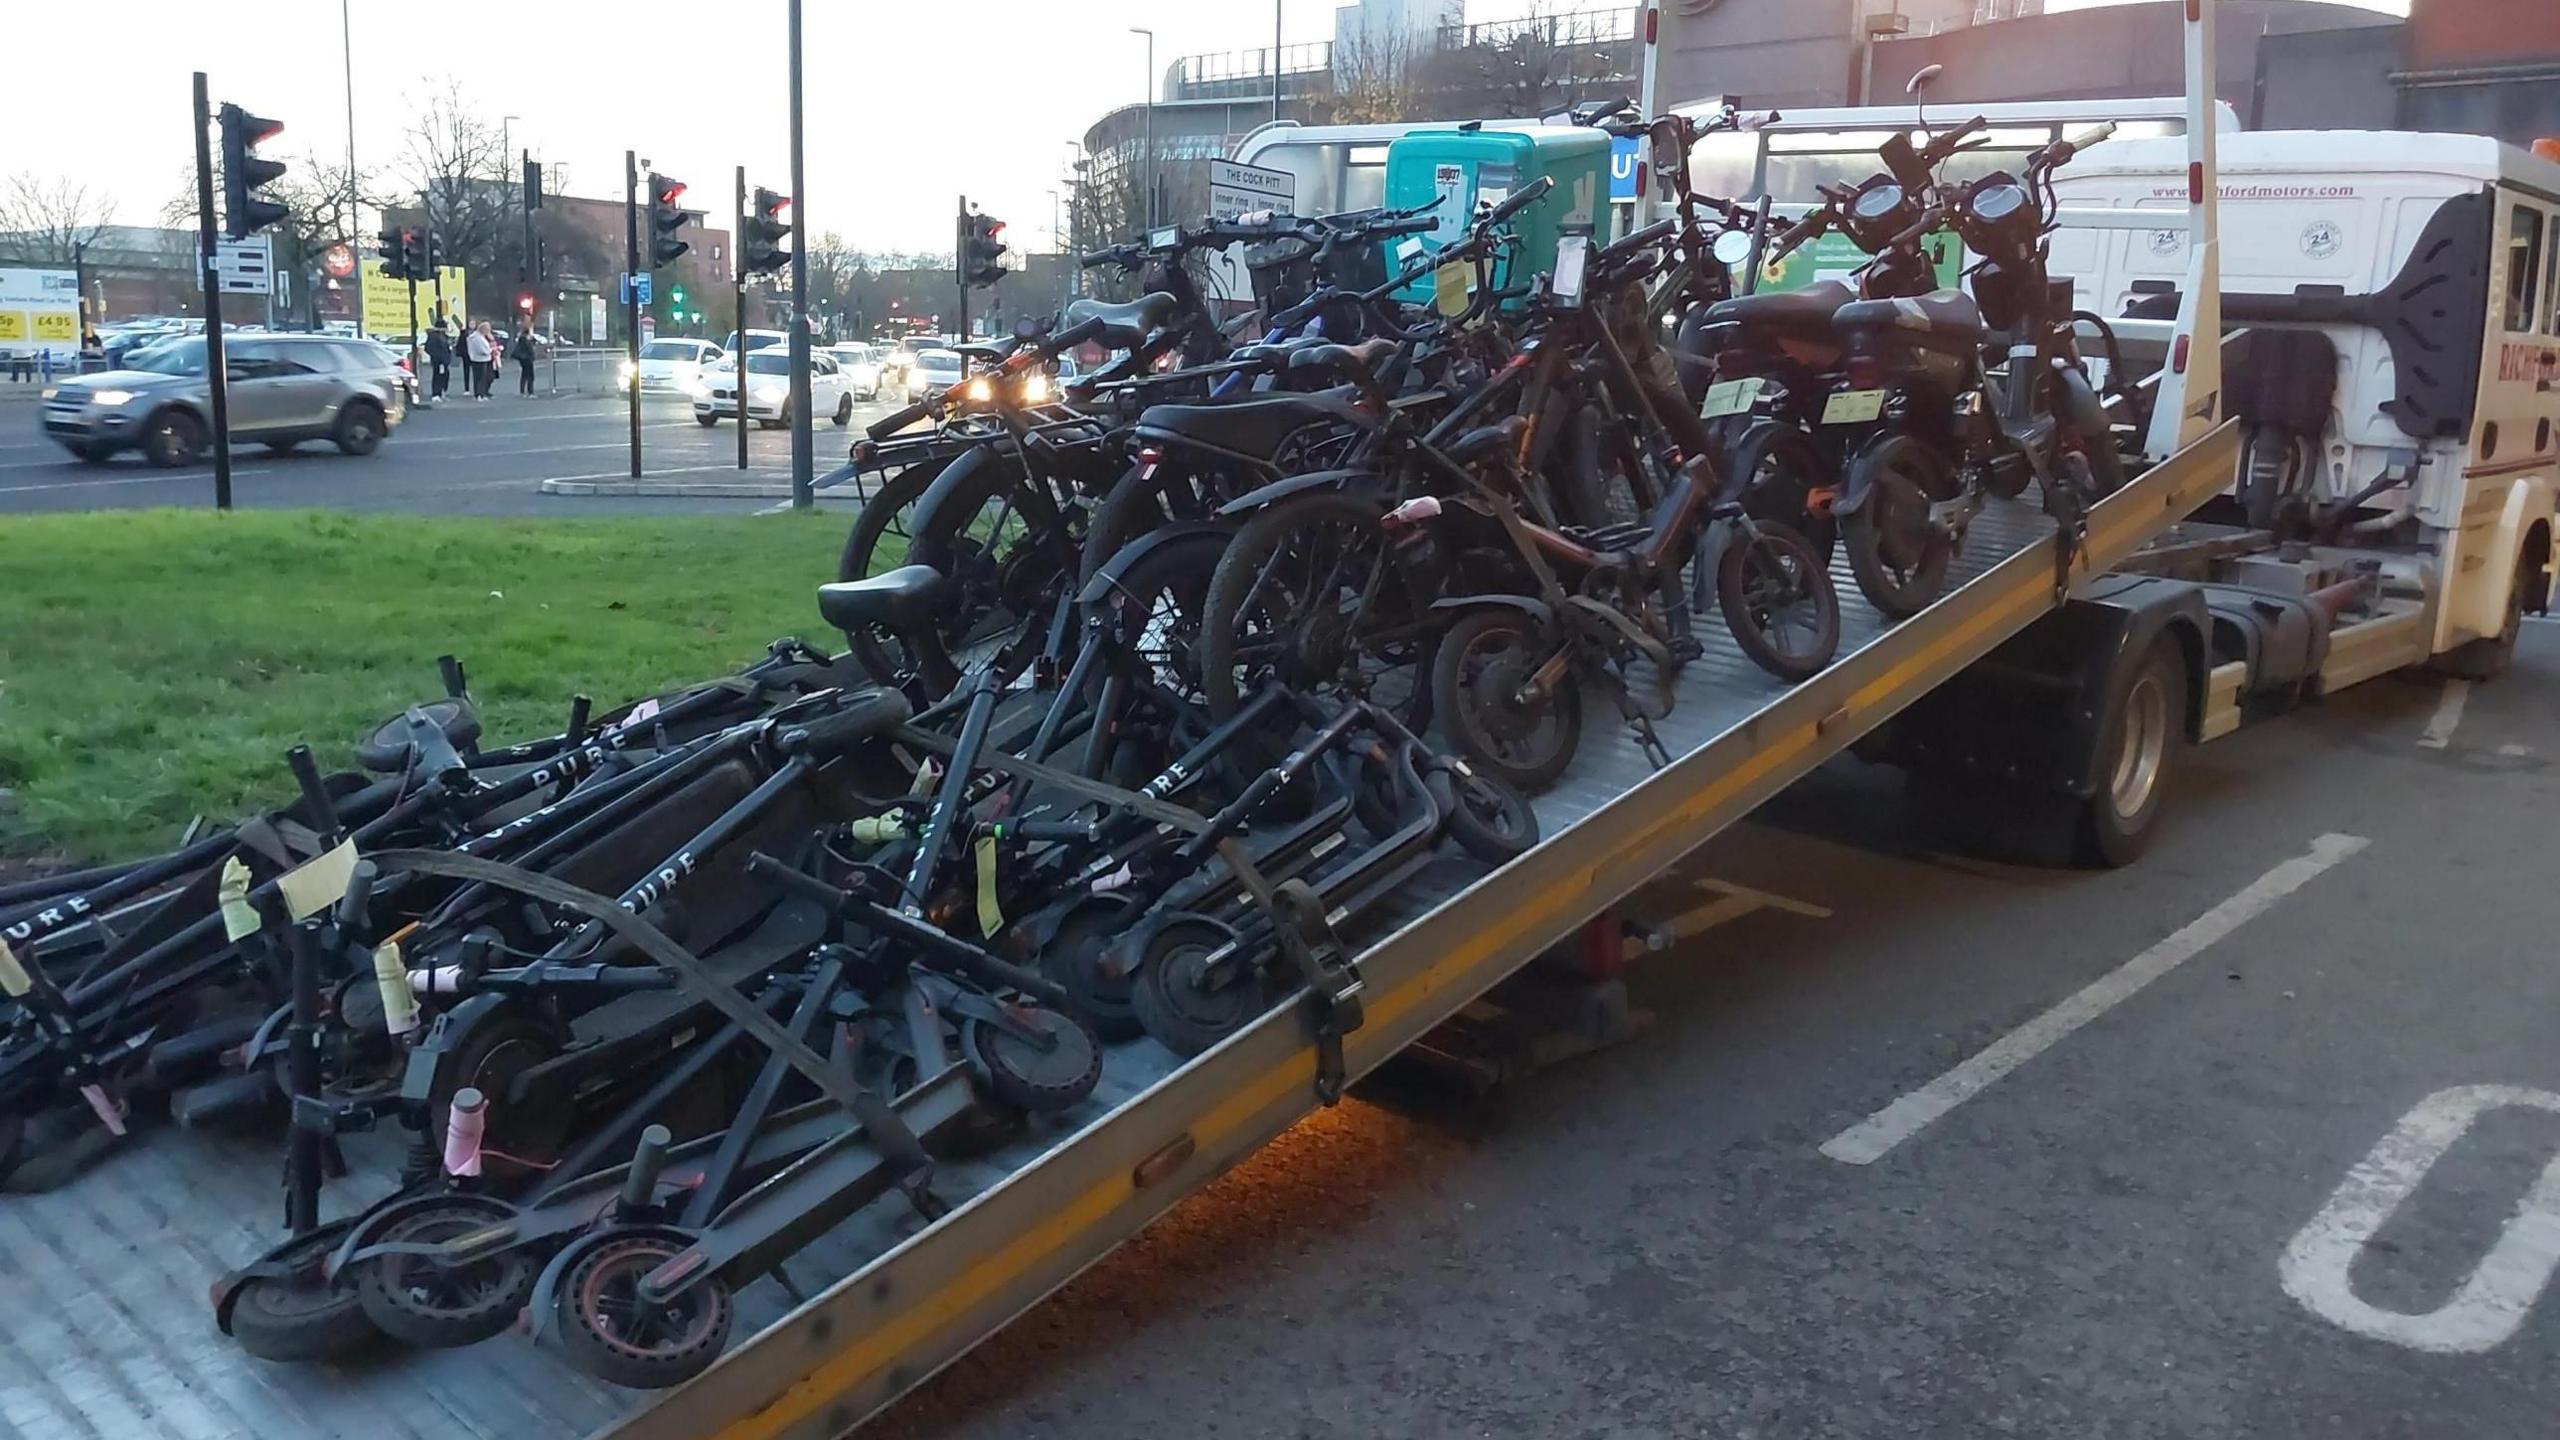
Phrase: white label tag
x=1572 y=252
x=319 y=882
x=1731 y=397
x=13 y=976
x=1852 y=407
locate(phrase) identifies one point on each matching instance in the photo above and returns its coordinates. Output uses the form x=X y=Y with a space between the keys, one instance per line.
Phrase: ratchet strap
x=897 y=1142
x=1190 y=822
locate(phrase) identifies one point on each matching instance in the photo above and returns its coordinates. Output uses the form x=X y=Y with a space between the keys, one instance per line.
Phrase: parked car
x=861 y=366
x=769 y=389
x=671 y=365
x=931 y=372
x=283 y=390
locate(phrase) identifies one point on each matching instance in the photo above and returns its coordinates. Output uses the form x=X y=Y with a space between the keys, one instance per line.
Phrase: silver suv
x=284 y=389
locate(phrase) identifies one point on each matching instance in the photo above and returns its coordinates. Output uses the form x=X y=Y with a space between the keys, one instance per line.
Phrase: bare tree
x=457 y=163
x=1541 y=63
x=1373 y=80
x=46 y=218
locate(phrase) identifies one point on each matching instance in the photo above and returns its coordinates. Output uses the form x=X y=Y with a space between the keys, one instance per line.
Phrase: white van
x=2432 y=264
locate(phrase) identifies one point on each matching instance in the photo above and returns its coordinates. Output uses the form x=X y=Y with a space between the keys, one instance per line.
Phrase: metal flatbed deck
x=106 y=1278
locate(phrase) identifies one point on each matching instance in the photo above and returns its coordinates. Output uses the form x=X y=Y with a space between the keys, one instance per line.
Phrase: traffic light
x=532 y=184
x=666 y=217
x=760 y=251
x=244 y=212
x=525 y=304
x=980 y=250
x=391 y=248
x=417 y=254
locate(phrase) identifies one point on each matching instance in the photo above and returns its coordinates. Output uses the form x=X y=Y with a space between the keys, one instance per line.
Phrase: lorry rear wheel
x=2490 y=656
x=2146 y=728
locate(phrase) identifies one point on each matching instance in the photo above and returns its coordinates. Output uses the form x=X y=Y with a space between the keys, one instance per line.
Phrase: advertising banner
x=40 y=309
x=386 y=302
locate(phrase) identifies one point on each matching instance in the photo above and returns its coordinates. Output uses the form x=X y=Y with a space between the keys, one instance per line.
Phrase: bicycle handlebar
x=1644 y=239
x=1520 y=199
x=889 y=425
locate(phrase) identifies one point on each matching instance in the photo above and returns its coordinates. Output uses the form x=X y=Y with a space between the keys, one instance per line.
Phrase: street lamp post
x=1147 y=126
x=1275 y=61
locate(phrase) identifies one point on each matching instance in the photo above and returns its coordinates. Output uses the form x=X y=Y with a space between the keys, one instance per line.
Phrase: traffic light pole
x=960 y=264
x=631 y=301
x=803 y=443
x=738 y=274
x=216 y=376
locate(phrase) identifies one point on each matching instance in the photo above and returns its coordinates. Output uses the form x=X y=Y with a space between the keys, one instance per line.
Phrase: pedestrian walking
x=44 y=365
x=480 y=359
x=439 y=361
x=522 y=353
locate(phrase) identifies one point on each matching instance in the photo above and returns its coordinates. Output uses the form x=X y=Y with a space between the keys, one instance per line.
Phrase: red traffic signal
x=669 y=191
x=525 y=303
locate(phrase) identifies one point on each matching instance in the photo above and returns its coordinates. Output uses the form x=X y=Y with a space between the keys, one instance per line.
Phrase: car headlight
x=629 y=370
x=110 y=397
x=49 y=392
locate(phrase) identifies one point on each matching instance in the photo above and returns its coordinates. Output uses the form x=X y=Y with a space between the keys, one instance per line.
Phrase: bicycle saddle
x=903 y=598
x=1797 y=311
x=1360 y=361
x=1125 y=326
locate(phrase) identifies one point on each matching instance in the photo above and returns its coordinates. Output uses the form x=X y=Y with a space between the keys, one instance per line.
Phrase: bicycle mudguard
x=966 y=483
x=1279 y=490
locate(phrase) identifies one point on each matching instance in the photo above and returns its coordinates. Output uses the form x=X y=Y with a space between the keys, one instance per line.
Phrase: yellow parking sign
x=13 y=324
x=61 y=325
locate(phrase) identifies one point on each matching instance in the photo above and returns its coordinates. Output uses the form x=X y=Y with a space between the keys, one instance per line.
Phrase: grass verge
x=156 y=665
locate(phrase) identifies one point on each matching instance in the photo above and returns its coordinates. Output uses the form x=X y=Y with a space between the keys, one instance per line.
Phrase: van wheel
x=2146 y=728
x=359 y=429
x=2491 y=656
x=844 y=410
x=173 y=438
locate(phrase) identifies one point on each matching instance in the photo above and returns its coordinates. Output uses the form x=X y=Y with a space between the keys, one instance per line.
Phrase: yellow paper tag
x=1449 y=285
x=990 y=917
x=1732 y=397
x=13 y=976
x=1852 y=407
x=239 y=919
x=319 y=882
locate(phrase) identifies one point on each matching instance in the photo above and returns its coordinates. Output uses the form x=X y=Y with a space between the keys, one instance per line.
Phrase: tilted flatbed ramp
x=1739 y=737
x=105 y=1279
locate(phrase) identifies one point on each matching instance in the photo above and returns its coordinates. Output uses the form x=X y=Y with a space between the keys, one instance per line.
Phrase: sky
x=909 y=103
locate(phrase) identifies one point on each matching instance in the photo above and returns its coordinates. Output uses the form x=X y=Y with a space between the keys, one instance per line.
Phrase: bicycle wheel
x=1477 y=679
x=1137 y=504
x=881 y=540
x=1779 y=602
x=995 y=532
x=1309 y=593
x=1897 y=554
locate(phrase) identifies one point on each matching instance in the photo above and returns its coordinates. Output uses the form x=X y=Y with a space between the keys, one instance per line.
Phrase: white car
x=933 y=371
x=671 y=365
x=769 y=389
x=861 y=367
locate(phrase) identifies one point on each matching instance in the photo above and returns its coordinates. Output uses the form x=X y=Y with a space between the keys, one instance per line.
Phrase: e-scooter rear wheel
x=442 y=1307
x=301 y=1317
x=1176 y=998
x=1025 y=1075
x=610 y=1333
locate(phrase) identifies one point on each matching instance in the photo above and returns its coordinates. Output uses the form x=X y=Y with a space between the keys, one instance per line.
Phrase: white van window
x=2524 y=266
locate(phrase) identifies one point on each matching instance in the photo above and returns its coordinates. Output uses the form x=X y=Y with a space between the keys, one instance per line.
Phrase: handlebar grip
x=866 y=716
x=1520 y=199
x=1760 y=122
x=359 y=897
x=315 y=796
x=2086 y=138
x=1796 y=235
x=1044 y=832
x=1646 y=238
x=1402 y=227
x=888 y=425
x=1929 y=220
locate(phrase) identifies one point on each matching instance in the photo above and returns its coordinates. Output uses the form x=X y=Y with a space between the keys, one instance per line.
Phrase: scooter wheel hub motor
x=418 y=1299
x=1022 y=1073
x=610 y=1332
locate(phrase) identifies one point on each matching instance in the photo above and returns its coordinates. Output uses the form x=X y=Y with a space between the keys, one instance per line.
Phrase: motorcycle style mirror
x=1920 y=79
x=1670 y=154
x=1733 y=247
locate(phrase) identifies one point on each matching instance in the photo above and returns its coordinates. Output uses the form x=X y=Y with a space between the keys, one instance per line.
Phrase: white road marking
x=176 y=477
x=2317 y=1268
x=2440 y=726
x=1875 y=1137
